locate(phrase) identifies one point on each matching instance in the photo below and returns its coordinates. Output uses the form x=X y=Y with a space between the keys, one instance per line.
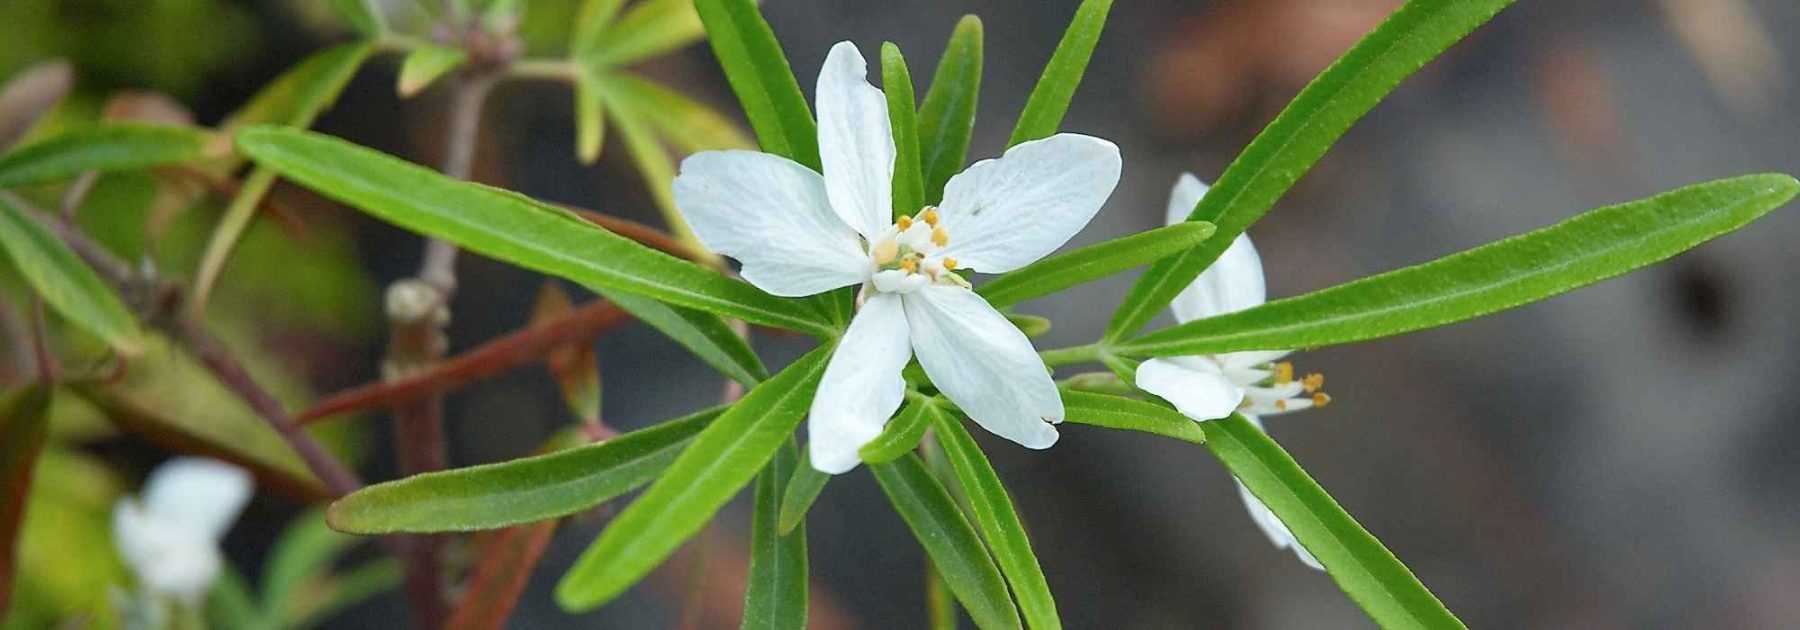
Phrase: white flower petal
x=771 y=214
x=984 y=364
x=1233 y=283
x=205 y=495
x=856 y=142
x=1184 y=196
x=166 y=553
x=1252 y=358
x=1004 y=213
x=1278 y=533
x=862 y=385
x=1198 y=394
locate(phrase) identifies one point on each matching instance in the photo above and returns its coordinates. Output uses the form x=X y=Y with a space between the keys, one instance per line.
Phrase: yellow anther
x=939 y=236
x=886 y=252
x=909 y=265
x=930 y=217
x=905 y=221
x=1312 y=382
x=949 y=264
x=1320 y=399
x=1281 y=404
x=1284 y=373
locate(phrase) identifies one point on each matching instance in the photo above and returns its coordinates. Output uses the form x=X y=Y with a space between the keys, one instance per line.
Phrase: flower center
x=1281 y=392
x=911 y=256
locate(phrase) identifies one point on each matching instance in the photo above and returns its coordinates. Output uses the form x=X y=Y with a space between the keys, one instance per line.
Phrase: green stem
x=1089 y=353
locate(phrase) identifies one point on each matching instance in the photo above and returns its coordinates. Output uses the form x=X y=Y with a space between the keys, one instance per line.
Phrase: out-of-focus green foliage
x=143 y=43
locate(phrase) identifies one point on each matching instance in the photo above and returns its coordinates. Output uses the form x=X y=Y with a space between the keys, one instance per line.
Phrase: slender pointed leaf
x=902 y=434
x=649 y=28
x=590 y=118
x=24 y=423
x=760 y=75
x=998 y=521
x=348 y=588
x=518 y=491
x=775 y=596
x=101 y=148
x=300 y=94
x=722 y=459
x=947 y=117
x=66 y=283
x=1049 y=100
x=361 y=15
x=903 y=116
x=632 y=119
x=424 y=65
x=802 y=490
x=590 y=23
x=1118 y=412
x=703 y=334
x=1300 y=135
x=1588 y=248
x=1361 y=566
x=949 y=540
x=687 y=124
x=511 y=227
x=1093 y=262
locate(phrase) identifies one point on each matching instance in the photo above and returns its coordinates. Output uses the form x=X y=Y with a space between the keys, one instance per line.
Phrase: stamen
x=886 y=252
x=905 y=221
x=1320 y=399
x=1284 y=373
x=1281 y=404
x=949 y=264
x=910 y=265
x=939 y=236
x=930 y=216
x=1313 y=382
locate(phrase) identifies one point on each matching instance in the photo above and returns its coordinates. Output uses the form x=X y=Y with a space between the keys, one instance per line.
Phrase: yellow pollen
x=949 y=263
x=1320 y=399
x=1284 y=373
x=940 y=237
x=886 y=252
x=1281 y=405
x=909 y=265
x=930 y=216
x=904 y=222
x=1312 y=382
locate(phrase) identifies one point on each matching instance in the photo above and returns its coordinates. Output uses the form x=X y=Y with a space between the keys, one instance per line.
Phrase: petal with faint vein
x=771 y=214
x=1006 y=212
x=856 y=144
x=984 y=364
x=862 y=385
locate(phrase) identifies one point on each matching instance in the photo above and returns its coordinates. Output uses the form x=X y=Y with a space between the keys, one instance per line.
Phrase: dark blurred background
x=1622 y=457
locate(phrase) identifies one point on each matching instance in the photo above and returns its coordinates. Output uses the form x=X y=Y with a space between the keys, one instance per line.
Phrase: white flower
x=171 y=538
x=1213 y=386
x=799 y=233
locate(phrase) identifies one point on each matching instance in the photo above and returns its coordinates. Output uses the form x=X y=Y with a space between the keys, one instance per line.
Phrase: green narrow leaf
x=1049 y=100
x=300 y=94
x=511 y=227
x=424 y=65
x=364 y=18
x=998 y=521
x=762 y=79
x=687 y=124
x=722 y=459
x=349 y=588
x=1300 y=135
x=304 y=552
x=1093 y=262
x=66 y=283
x=1031 y=325
x=649 y=28
x=703 y=334
x=949 y=540
x=651 y=158
x=104 y=148
x=590 y=118
x=518 y=491
x=775 y=593
x=802 y=490
x=947 y=117
x=595 y=16
x=1361 y=566
x=1130 y=414
x=230 y=605
x=1582 y=250
x=902 y=434
x=903 y=116
x=24 y=423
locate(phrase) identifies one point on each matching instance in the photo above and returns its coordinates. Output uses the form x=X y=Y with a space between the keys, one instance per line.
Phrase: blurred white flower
x=170 y=538
x=799 y=233
x=1209 y=387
